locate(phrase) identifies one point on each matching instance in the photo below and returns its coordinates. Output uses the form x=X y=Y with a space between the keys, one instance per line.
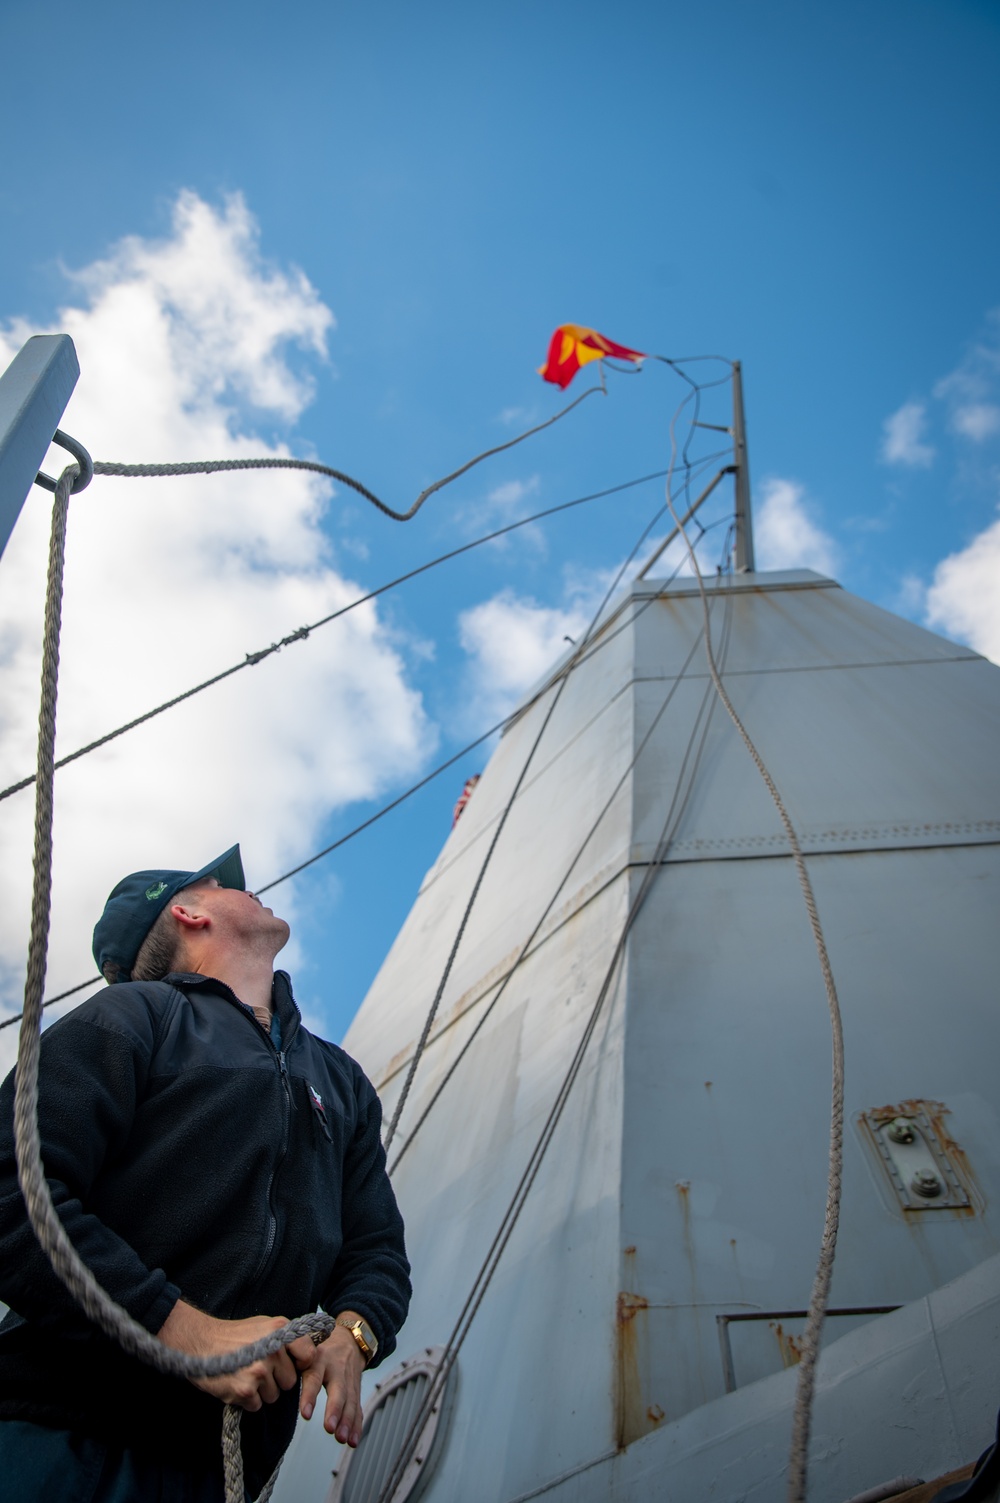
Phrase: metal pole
x=743 y=548
x=34 y=390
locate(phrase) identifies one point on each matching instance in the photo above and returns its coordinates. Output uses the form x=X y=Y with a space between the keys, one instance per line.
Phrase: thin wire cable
x=216 y=466
x=502 y=1237
x=327 y=850
x=526 y=947
x=449 y=963
x=301 y=634
x=435 y=1003
x=51 y=1001
x=798 y=1461
x=371 y=820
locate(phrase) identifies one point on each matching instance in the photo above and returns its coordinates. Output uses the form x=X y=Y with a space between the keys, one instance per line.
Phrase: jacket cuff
x=155 y=1314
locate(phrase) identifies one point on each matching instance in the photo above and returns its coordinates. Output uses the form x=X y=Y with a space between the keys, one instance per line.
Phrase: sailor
x=221 y=1171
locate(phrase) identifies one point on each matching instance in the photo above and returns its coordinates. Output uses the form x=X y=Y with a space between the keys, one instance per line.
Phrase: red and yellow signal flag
x=573 y=346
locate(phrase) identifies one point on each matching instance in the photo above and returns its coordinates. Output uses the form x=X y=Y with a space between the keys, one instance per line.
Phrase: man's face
x=235 y=914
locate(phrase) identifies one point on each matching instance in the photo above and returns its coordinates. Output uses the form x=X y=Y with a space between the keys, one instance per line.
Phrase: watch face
x=368 y=1335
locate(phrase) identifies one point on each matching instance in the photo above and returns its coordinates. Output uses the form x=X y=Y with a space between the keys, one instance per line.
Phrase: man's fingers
x=285 y=1372
x=302 y=1352
x=336 y=1396
x=343 y=1414
x=312 y=1382
x=262 y=1375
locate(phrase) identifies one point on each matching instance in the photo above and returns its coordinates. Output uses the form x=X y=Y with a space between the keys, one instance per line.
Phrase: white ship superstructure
x=637 y=1339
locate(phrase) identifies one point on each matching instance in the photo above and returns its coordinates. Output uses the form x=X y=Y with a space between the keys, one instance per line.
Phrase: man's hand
x=337 y=1365
x=189 y=1330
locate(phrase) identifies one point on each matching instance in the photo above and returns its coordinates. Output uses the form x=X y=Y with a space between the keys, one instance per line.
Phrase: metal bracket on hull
x=915 y=1154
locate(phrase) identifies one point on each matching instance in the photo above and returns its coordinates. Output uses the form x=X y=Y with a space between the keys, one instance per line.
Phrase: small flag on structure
x=572 y=346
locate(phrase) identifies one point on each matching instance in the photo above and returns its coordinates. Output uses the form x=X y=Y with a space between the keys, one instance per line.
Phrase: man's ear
x=189 y=916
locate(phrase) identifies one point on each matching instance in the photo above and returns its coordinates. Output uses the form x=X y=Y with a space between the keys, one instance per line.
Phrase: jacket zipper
x=279 y=1054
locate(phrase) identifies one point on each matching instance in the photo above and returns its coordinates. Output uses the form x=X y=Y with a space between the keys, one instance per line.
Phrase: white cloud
x=507 y=498
x=911 y=596
x=504 y=504
x=964 y=596
x=512 y=641
x=785 y=535
x=976 y=420
x=183 y=345
x=971 y=391
x=524 y=417
x=902 y=440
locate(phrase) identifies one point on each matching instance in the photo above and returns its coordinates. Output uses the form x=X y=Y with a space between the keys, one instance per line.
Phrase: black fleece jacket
x=188 y=1156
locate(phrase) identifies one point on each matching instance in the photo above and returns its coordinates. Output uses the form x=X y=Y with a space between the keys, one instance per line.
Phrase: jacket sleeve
x=93 y=1067
x=371 y=1274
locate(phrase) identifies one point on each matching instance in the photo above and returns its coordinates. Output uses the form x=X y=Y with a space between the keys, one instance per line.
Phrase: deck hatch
x=390 y=1413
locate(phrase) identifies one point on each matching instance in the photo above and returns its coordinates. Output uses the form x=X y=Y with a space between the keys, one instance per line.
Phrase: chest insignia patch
x=319 y=1111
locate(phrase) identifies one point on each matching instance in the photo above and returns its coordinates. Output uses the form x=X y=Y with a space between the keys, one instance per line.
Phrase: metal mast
x=34 y=390
x=743 y=545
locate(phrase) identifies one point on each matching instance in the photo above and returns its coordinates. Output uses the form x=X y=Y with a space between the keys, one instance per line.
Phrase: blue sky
x=811 y=189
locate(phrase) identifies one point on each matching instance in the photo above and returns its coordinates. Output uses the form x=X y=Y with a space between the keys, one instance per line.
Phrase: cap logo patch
x=157 y=889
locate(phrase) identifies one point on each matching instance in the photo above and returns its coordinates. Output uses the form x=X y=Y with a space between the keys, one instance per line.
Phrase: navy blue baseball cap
x=138 y=900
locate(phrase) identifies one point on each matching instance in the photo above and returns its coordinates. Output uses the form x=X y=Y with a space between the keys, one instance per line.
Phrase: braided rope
x=232 y=1460
x=232 y=1455
x=574 y=662
x=682 y=792
x=820 y=1295
x=214 y=466
x=95 y=1302
x=798 y=1460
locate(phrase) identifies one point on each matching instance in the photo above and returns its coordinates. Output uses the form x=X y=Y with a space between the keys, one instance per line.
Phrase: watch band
x=363 y=1335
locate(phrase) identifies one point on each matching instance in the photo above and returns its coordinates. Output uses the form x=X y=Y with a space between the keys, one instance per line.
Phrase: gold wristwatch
x=363 y=1335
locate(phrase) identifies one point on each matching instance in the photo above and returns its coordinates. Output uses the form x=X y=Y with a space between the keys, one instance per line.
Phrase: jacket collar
x=281 y=995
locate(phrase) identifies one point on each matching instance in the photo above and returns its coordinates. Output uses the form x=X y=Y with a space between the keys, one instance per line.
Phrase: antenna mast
x=743 y=545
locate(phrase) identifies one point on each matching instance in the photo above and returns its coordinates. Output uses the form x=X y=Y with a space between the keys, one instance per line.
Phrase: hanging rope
x=798 y=1461
x=66 y=1263
x=682 y=792
x=232 y=1461
x=216 y=466
x=564 y=679
x=526 y=947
